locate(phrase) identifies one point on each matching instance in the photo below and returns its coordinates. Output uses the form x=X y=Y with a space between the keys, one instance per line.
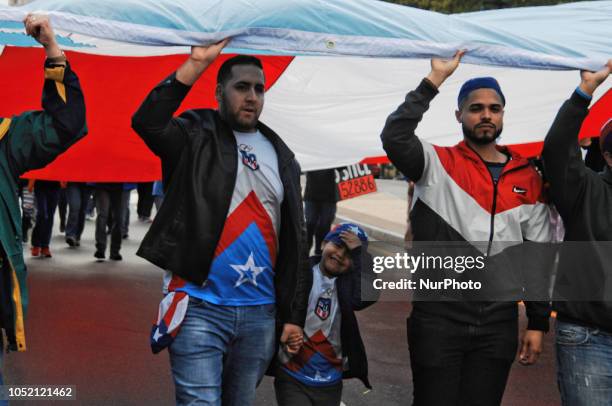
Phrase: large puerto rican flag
x=334 y=70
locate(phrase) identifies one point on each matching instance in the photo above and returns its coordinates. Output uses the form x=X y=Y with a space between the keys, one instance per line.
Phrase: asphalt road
x=88 y=326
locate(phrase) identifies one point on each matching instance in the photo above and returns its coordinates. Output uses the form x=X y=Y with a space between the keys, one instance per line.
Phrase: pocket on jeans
x=571 y=334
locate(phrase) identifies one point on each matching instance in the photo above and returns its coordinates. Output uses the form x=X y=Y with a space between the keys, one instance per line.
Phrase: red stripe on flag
x=114 y=87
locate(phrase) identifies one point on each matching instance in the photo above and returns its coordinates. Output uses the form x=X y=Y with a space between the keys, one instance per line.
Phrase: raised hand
x=201 y=57
x=443 y=68
x=351 y=240
x=39 y=27
x=591 y=80
x=207 y=54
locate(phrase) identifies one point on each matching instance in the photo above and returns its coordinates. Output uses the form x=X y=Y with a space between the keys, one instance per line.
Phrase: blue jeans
x=221 y=353
x=584 y=365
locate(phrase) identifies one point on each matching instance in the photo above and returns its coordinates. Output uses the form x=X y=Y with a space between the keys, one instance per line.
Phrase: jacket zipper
x=494 y=206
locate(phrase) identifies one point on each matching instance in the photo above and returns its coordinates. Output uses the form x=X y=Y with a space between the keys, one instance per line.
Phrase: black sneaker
x=116 y=256
x=71 y=241
x=99 y=254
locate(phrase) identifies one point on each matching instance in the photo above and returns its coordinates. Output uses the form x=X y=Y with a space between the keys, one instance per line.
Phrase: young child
x=332 y=348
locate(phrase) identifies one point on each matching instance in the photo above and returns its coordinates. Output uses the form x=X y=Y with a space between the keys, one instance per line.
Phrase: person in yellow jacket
x=29 y=141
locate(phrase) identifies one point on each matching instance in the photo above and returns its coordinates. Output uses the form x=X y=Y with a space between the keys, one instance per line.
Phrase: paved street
x=88 y=326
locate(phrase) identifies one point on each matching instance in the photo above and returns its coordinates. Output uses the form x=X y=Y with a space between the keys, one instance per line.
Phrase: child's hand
x=292 y=338
x=350 y=239
x=294 y=343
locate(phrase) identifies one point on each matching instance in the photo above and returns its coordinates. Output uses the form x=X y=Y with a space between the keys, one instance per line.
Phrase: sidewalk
x=381 y=214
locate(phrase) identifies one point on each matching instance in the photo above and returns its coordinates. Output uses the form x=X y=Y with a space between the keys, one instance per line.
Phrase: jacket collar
x=515 y=159
x=282 y=150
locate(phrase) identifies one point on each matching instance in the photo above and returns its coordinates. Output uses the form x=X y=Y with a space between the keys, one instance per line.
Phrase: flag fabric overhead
x=334 y=69
x=366 y=28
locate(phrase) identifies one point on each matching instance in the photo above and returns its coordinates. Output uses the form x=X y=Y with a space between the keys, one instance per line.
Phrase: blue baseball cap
x=334 y=234
x=486 y=82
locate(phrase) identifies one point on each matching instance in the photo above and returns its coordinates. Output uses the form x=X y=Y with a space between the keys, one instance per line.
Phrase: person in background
x=46 y=194
x=109 y=198
x=125 y=203
x=28 y=208
x=62 y=206
x=76 y=194
x=158 y=194
x=145 y=201
x=320 y=198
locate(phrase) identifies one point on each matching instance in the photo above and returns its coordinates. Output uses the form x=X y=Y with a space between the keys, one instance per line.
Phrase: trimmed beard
x=469 y=134
x=231 y=119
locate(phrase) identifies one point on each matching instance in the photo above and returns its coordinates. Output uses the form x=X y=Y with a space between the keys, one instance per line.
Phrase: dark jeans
x=26 y=224
x=125 y=203
x=62 y=204
x=291 y=392
x=76 y=194
x=459 y=364
x=584 y=365
x=109 y=200
x=46 y=203
x=319 y=217
x=90 y=202
x=145 y=199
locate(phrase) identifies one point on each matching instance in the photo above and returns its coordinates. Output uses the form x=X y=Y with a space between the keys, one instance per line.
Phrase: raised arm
x=154 y=121
x=400 y=143
x=563 y=162
x=36 y=138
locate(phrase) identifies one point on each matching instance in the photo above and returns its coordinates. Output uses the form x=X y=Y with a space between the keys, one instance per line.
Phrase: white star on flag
x=248 y=272
x=355 y=230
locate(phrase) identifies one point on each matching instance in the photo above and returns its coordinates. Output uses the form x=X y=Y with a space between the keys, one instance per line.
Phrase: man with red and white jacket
x=476 y=191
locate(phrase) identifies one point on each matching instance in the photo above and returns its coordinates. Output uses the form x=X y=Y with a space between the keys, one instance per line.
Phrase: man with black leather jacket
x=230 y=232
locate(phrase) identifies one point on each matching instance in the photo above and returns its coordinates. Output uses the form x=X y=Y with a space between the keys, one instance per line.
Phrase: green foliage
x=454 y=6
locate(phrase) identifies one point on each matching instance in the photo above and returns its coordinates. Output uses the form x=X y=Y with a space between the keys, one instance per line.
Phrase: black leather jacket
x=199 y=162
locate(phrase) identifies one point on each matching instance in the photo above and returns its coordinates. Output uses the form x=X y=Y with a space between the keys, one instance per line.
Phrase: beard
x=236 y=122
x=485 y=139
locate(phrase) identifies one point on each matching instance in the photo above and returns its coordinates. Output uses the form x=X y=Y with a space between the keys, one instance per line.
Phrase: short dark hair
x=225 y=72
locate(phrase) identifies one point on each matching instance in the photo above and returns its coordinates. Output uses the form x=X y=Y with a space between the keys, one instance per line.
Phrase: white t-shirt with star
x=319 y=362
x=242 y=271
